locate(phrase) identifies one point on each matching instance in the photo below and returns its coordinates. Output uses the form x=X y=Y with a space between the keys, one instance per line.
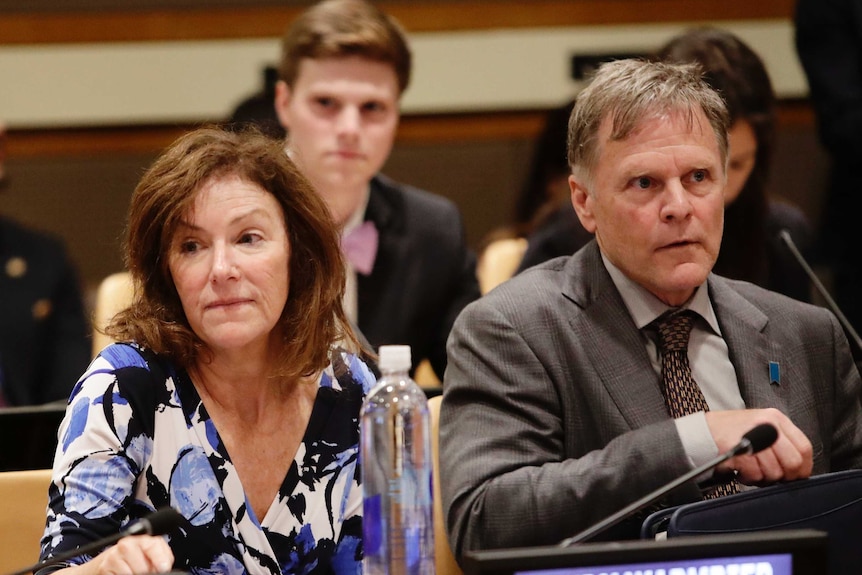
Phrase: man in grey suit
x=554 y=413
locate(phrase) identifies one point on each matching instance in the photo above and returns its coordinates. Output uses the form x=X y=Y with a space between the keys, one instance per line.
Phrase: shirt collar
x=644 y=307
x=358 y=216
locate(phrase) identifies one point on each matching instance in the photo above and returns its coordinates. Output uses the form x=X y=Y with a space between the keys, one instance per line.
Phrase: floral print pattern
x=136 y=437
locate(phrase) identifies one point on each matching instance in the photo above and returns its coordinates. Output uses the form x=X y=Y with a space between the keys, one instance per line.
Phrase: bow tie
x=359 y=246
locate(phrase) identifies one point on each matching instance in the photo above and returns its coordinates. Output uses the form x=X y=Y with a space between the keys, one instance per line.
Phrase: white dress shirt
x=707 y=354
x=351 y=294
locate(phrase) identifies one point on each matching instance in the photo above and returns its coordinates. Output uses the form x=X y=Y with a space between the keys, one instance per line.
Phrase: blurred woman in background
x=750 y=248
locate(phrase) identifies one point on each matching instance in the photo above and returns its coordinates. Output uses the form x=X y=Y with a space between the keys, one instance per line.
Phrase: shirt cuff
x=697 y=441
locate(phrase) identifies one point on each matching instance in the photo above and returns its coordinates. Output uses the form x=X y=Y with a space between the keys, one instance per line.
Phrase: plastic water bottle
x=398 y=528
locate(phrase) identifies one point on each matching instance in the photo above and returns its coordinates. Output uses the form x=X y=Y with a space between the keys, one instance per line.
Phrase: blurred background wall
x=92 y=92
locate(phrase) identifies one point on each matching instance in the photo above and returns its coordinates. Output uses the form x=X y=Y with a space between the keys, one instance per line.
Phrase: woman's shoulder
x=119 y=357
x=113 y=406
x=347 y=370
x=135 y=374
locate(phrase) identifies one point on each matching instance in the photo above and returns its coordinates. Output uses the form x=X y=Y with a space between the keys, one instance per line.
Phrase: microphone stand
x=742 y=447
x=791 y=245
x=160 y=522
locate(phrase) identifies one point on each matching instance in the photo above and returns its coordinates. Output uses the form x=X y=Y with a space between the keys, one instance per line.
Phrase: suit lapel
x=383 y=210
x=612 y=341
x=743 y=327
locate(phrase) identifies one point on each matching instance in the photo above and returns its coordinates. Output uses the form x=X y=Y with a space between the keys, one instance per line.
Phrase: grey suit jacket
x=553 y=418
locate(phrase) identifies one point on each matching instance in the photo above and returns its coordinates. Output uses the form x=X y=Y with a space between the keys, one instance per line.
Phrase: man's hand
x=789 y=458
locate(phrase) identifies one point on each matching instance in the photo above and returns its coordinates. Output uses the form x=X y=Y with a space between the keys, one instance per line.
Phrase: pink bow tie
x=359 y=246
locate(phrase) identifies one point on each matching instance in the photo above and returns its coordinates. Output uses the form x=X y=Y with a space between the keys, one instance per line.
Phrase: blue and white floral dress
x=136 y=438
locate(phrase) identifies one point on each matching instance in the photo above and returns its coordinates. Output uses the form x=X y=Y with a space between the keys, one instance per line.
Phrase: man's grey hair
x=632 y=91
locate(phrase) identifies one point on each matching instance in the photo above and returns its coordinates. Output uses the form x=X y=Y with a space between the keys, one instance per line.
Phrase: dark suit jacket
x=559 y=234
x=553 y=418
x=829 y=44
x=44 y=334
x=423 y=275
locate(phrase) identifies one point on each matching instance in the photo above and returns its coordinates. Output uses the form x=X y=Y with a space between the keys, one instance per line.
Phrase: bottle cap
x=394 y=357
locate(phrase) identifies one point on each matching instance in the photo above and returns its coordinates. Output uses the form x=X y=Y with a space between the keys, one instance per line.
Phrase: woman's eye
x=188 y=247
x=249 y=238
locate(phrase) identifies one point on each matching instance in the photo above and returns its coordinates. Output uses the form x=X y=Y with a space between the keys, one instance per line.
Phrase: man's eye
x=698 y=175
x=325 y=102
x=643 y=183
x=373 y=107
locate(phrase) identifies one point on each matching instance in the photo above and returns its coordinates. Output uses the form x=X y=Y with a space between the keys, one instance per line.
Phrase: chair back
x=831 y=502
x=499 y=261
x=23 y=513
x=444 y=560
x=115 y=293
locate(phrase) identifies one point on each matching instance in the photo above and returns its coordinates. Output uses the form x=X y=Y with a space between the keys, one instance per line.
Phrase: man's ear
x=583 y=202
x=282 y=103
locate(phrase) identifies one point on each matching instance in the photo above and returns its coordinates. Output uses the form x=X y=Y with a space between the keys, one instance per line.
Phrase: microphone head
x=761 y=436
x=163 y=521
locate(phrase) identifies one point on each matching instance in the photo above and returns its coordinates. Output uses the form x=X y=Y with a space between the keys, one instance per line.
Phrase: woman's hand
x=130 y=556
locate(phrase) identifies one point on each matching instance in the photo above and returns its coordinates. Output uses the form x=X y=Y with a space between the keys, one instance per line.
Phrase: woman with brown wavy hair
x=231 y=399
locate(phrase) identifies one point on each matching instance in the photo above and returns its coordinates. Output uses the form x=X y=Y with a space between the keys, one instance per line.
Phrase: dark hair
x=339 y=28
x=313 y=319
x=258 y=110
x=548 y=162
x=738 y=74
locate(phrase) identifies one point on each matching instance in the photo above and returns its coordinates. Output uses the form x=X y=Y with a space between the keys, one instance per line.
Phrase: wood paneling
x=431 y=129
x=220 y=22
x=76 y=183
x=414 y=129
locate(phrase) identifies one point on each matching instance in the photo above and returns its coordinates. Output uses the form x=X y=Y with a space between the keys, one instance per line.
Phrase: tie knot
x=674 y=330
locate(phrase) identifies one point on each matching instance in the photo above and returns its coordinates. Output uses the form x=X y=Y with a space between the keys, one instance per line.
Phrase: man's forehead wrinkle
x=626 y=122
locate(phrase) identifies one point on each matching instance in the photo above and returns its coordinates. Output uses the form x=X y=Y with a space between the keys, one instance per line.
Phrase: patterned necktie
x=682 y=395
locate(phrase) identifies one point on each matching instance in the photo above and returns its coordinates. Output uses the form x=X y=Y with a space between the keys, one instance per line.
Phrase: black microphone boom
x=160 y=522
x=757 y=439
x=784 y=235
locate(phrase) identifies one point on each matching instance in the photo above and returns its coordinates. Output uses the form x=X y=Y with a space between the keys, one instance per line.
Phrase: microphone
x=784 y=235
x=757 y=439
x=160 y=522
